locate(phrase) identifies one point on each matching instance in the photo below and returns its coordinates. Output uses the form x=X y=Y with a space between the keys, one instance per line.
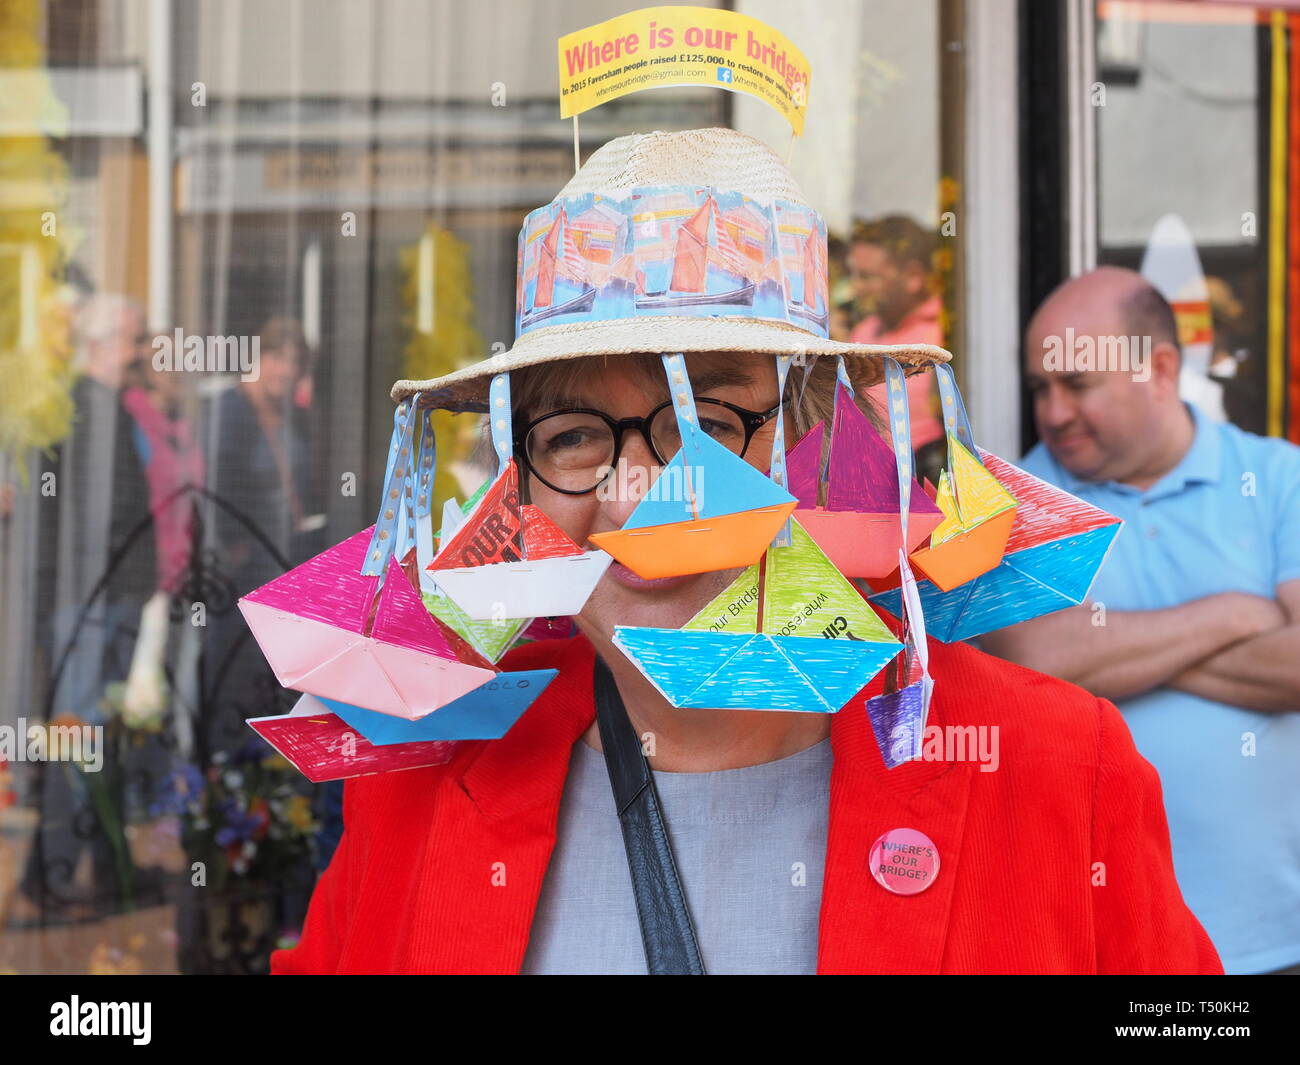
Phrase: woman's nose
x=636 y=471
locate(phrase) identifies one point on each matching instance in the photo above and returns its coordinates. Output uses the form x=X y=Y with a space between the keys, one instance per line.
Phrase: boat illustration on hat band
x=672 y=250
x=702 y=242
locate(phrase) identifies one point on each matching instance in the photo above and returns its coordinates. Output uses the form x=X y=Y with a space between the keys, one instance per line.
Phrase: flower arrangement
x=245 y=818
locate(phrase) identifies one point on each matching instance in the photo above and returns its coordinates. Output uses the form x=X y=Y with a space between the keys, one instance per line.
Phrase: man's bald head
x=1124 y=298
x=1102 y=362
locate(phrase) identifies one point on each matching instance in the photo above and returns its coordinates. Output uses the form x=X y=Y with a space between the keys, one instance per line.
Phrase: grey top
x=750 y=846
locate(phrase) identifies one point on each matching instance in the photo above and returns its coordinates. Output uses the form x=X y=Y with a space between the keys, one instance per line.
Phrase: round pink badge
x=904 y=861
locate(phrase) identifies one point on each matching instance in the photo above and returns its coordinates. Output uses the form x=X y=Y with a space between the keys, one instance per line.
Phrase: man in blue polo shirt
x=1193 y=625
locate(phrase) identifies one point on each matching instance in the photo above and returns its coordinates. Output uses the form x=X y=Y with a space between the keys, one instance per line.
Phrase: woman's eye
x=570 y=438
x=718 y=430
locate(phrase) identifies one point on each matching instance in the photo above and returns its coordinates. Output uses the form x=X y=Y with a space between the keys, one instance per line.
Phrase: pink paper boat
x=858 y=527
x=325 y=632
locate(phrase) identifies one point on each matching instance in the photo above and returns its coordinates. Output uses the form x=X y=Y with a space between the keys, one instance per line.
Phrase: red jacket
x=1057 y=862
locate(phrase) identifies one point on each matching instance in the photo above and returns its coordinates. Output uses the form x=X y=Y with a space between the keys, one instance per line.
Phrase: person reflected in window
x=259 y=463
x=890 y=269
x=166 y=443
x=95 y=573
x=260 y=458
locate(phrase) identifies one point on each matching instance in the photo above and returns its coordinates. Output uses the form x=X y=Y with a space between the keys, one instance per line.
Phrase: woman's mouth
x=628 y=579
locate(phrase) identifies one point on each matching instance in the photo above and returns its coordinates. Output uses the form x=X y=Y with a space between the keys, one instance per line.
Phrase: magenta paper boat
x=325 y=632
x=857 y=527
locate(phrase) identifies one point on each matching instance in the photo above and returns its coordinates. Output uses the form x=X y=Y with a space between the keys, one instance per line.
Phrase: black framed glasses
x=574 y=451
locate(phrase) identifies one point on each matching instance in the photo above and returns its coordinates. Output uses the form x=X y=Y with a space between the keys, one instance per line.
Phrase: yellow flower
x=36 y=404
x=298 y=814
x=106 y=960
x=276 y=762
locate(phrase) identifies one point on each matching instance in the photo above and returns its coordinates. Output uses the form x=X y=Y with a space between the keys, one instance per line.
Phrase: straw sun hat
x=619 y=219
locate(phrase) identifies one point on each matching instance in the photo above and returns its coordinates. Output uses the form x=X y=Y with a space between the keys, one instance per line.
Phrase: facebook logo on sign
x=724 y=74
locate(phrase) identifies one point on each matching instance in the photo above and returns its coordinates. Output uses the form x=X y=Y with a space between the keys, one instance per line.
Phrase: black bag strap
x=666 y=930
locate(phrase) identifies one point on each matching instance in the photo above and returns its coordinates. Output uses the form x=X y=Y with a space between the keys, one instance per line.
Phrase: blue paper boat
x=486 y=713
x=790 y=633
x=1057 y=545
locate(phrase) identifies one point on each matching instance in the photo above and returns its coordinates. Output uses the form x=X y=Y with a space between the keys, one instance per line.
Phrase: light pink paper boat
x=325 y=632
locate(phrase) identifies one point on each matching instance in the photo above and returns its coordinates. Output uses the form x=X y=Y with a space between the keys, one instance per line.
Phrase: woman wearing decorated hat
x=652 y=810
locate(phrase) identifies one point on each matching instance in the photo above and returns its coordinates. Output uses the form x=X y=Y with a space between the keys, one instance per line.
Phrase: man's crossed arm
x=1233 y=647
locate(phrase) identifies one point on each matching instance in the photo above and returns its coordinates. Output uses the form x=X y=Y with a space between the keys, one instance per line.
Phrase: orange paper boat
x=978 y=515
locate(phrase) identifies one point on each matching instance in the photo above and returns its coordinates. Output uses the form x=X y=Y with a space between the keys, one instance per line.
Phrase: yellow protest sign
x=659 y=46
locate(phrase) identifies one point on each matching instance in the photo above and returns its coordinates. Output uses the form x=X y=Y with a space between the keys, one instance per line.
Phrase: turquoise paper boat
x=790 y=633
x=1057 y=546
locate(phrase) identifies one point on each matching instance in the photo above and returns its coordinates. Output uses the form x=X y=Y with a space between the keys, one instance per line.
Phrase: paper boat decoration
x=322 y=746
x=899 y=714
x=725 y=515
x=325 y=632
x=858 y=525
x=486 y=713
x=790 y=633
x=978 y=515
x=491 y=639
x=1055 y=548
x=509 y=560
x=898 y=721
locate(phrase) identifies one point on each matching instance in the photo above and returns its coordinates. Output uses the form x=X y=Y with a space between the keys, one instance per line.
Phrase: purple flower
x=253 y=750
x=240 y=824
x=177 y=792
